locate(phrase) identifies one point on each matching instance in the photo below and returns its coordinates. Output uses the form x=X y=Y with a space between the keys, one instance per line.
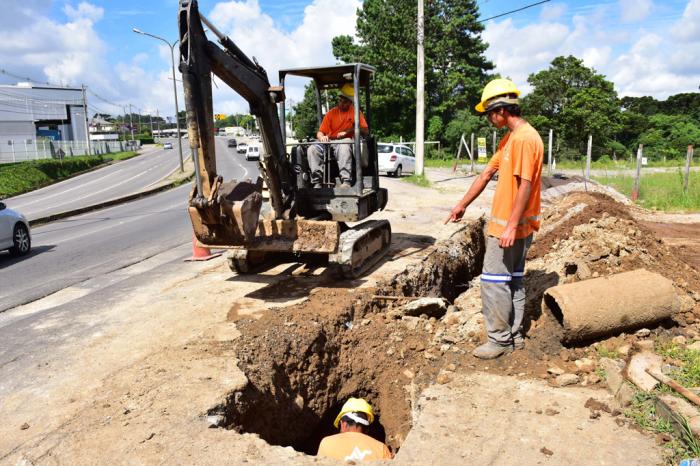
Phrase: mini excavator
x=297 y=219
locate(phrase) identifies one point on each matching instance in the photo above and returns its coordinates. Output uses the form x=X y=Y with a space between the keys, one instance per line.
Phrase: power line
x=513 y=11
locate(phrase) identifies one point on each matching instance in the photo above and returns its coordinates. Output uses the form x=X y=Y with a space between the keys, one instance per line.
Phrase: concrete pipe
x=609 y=305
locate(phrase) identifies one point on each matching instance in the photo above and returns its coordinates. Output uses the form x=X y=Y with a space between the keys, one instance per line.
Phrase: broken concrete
x=636 y=370
x=431 y=307
x=679 y=411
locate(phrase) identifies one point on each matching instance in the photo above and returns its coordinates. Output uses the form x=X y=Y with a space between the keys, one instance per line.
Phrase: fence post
x=494 y=143
x=471 y=149
x=635 y=189
x=688 y=160
x=549 y=153
x=588 y=157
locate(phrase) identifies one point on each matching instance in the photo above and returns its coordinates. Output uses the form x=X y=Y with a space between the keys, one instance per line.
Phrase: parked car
x=252 y=153
x=395 y=159
x=167 y=145
x=15 y=234
x=231 y=143
x=242 y=148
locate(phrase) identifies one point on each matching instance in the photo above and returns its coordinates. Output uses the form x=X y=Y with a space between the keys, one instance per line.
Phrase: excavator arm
x=227 y=212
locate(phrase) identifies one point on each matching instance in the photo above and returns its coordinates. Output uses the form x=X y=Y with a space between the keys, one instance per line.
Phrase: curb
x=111 y=202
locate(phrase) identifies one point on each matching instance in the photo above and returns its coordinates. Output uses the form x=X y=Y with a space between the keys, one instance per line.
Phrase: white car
x=252 y=153
x=168 y=145
x=14 y=232
x=242 y=148
x=395 y=159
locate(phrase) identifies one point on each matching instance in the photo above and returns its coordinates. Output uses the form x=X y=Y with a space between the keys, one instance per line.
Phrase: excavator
x=297 y=219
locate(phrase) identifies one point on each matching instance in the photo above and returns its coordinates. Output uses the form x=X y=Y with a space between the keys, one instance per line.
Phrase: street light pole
x=177 y=109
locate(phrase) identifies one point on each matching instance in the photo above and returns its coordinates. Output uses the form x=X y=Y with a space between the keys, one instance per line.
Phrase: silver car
x=15 y=234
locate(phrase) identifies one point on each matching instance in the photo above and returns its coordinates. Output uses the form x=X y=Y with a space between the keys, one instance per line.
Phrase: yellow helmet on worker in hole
x=348 y=91
x=355 y=405
x=495 y=88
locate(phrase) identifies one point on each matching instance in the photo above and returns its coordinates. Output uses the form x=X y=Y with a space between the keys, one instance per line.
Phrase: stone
x=410 y=322
x=592 y=378
x=636 y=370
x=554 y=370
x=679 y=340
x=624 y=350
x=443 y=378
x=585 y=365
x=451 y=367
x=643 y=332
x=613 y=373
x=645 y=345
x=431 y=307
x=567 y=379
x=408 y=373
x=625 y=395
x=695 y=346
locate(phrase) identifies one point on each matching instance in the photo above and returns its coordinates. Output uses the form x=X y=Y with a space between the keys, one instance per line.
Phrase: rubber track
x=342 y=262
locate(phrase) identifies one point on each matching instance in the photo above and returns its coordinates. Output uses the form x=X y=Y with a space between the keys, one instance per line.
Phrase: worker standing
x=352 y=443
x=515 y=215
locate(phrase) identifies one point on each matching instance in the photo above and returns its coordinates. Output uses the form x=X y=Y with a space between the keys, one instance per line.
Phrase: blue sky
x=646 y=47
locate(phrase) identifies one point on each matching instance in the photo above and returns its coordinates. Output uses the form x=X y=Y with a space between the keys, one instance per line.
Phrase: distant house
x=103 y=130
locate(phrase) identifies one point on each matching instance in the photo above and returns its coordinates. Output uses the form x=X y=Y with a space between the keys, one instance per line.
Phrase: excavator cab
x=296 y=219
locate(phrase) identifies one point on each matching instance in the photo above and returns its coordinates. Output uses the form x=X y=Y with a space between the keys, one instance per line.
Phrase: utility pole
x=549 y=153
x=131 y=123
x=87 y=125
x=588 y=157
x=420 y=88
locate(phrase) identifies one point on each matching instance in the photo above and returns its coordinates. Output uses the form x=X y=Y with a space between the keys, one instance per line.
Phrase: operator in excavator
x=352 y=443
x=338 y=125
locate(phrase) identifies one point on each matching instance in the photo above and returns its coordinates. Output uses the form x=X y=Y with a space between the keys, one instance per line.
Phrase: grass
x=687 y=361
x=22 y=177
x=609 y=164
x=604 y=352
x=661 y=191
x=418 y=180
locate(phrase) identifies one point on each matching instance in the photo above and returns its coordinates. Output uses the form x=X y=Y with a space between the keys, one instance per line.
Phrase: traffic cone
x=200 y=253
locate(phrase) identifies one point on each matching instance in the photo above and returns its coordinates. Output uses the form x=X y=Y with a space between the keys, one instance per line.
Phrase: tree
x=304 y=120
x=455 y=66
x=577 y=101
x=669 y=135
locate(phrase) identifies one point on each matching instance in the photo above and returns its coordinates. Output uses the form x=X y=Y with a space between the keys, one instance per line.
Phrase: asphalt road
x=84 y=248
x=97 y=186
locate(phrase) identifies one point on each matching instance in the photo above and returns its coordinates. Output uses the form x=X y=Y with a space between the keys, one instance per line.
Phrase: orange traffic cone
x=200 y=253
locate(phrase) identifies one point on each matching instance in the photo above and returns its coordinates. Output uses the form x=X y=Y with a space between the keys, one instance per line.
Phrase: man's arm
x=322 y=137
x=474 y=190
x=524 y=188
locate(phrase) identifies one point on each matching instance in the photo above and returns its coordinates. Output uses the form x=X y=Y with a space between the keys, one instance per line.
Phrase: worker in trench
x=353 y=443
x=515 y=216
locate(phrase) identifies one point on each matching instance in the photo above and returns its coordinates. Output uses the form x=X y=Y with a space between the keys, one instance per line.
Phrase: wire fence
x=16 y=150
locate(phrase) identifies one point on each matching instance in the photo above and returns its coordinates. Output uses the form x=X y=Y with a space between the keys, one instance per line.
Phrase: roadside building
x=32 y=115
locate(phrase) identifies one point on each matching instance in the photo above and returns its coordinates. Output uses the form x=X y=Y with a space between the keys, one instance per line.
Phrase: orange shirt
x=519 y=154
x=335 y=121
x=353 y=446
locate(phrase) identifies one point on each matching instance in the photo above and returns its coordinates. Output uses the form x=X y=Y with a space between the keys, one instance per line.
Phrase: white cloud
x=653 y=58
x=84 y=11
x=552 y=11
x=634 y=10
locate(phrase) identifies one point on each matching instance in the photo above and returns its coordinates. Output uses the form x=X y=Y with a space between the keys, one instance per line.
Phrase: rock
x=623 y=350
x=445 y=347
x=636 y=370
x=410 y=322
x=554 y=370
x=564 y=355
x=585 y=365
x=645 y=345
x=432 y=307
x=592 y=378
x=443 y=378
x=686 y=303
x=567 y=379
x=408 y=373
x=429 y=356
x=643 y=332
x=451 y=367
x=24 y=426
x=679 y=340
x=613 y=374
x=546 y=451
x=695 y=346
x=625 y=395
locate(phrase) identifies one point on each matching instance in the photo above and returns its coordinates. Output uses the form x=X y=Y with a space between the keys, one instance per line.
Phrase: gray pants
x=343 y=154
x=502 y=289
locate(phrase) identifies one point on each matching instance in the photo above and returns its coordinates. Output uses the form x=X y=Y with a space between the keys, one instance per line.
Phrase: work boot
x=491 y=350
x=518 y=341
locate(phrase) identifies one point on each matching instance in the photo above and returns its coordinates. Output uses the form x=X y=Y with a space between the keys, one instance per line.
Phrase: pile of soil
x=304 y=361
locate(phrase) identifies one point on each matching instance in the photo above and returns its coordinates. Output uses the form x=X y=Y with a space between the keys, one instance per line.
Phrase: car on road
x=242 y=148
x=252 y=153
x=395 y=159
x=168 y=145
x=231 y=143
x=15 y=234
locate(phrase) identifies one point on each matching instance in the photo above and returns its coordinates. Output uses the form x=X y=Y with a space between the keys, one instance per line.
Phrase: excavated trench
x=302 y=363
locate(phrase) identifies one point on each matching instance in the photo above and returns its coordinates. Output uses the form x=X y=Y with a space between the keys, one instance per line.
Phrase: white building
x=30 y=112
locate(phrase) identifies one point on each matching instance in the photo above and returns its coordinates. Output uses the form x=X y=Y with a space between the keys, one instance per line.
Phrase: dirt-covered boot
x=491 y=350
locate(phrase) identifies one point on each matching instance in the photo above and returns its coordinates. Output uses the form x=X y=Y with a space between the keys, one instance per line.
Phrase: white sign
x=644 y=160
x=481 y=145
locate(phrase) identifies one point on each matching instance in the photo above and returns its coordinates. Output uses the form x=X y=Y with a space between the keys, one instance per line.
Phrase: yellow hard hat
x=348 y=91
x=355 y=405
x=495 y=88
